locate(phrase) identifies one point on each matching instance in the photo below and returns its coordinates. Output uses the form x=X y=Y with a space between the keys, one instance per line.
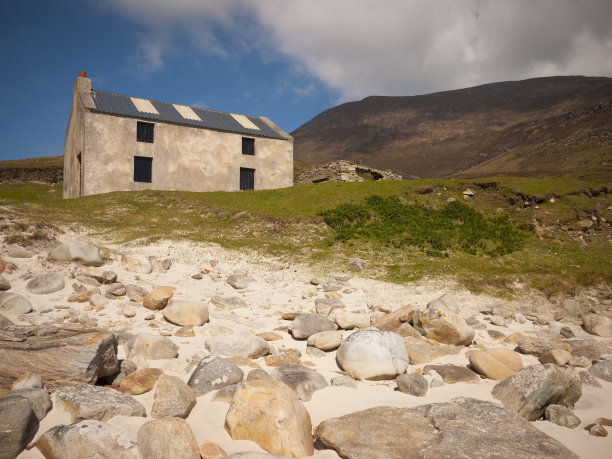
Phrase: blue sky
x=284 y=59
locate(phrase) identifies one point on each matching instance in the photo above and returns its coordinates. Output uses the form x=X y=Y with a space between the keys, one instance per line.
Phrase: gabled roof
x=116 y=104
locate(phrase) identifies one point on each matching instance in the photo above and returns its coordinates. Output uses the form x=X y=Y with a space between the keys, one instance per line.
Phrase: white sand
x=275 y=291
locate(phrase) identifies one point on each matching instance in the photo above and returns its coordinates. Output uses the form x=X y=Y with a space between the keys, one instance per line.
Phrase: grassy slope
x=286 y=223
x=45 y=162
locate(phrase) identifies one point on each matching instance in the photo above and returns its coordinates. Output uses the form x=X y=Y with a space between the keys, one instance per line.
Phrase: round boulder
x=77 y=251
x=136 y=263
x=373 y=354
x=46 y=283
x=184 y=313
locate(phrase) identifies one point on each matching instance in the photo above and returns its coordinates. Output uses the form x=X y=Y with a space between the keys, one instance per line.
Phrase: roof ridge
x=173 y=103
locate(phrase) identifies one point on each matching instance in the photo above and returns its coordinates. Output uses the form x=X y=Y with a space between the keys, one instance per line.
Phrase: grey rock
x=116 y=289
x=39 y=399
x=373 y=354
x=60 y=355
x=597 y=324
x=562 y=416
x=152 y=347
x=238 y=281
x=533 y=345
x=14 y=304
x=88 y=280
x=463 y=427
x=315 y=281
x=452 y=374
x=18 y=425
x=4 y=284
x=589 y=348
x=213 y=372
x=412 y=384
x=136 y=292
x=258 y=373
x=167 y=437
x=89 y=438
x=225 y=394
x=46 y=283
x=172 y=398
x=197 y=276
x=228 y=302
x=98 y=300
x=302 y=380
x=324 y=306
x=166 y=263
x=16 y=251
x=530 y=390
x=356 y=264
x=233 y=344
x=27 y=381
x=126 y=367
x=85 y=401
x=305 y=325
x=602 y=370
x=77 y=251
x=326 y=340
x=344 y=380
x=313 y=351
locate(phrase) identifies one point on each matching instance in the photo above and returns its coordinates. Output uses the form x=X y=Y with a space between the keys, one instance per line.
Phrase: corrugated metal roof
x=117 y=104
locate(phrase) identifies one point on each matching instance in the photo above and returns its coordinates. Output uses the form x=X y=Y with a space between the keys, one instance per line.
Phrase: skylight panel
x=186 y=112
x=245 y=122
x=144 y=106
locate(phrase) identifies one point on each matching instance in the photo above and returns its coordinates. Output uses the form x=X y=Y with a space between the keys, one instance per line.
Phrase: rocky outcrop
x=344 y=171
x=167 y=437
x=18 y=425
x=60 y=355
x=465 y=427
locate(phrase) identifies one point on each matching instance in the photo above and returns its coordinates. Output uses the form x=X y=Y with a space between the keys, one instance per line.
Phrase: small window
x=248 y=146
x=144 y=132
x=142 y=169
x=247 y=179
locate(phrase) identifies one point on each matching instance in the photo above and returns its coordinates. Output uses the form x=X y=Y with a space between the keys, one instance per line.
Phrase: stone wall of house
x=344 y=171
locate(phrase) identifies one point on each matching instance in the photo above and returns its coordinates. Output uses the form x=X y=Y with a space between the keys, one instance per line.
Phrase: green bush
x=456 y=226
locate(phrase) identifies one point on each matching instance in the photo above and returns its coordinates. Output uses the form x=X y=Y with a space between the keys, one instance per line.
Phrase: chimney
x=82 y=74
x=82 y=87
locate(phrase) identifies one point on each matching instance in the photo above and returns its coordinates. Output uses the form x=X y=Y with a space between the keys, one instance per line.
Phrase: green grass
x=404 y=230
x=45 y=162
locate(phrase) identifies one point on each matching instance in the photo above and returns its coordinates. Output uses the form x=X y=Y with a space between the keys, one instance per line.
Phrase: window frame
x=138 y=172
x=248 y=146
x=145 y=132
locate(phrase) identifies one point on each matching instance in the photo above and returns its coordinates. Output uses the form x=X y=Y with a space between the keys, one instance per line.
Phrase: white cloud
x=394 y=47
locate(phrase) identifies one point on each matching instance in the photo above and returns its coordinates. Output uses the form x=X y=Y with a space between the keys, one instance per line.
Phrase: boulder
x=530 y=390
x=463 y=427
x=183 y=313
x=140 y=381
x=326 y=340
x=284 y=357
x=158 y=298
x=85 y=401
x=305 y=325
x=420 y=351
x=213 y=373
x=39 y=399
x=597 y=324
x=125 y=368
x=77 y=251
x=238 y=281
x=392 y=322
x=210 y=450
x=533 y=345
x=172 y=398
x=562 y=416
x=300 y=379
x=589 y=348
x=135 y=292
x=324 y=306
x=5 y=322
x=556 y=356
x=14 y=304
x=228 y=302
x=136 y=263
x=269 y=413
x=350 y=320
x=46 y=283
x=18 y=425
x=234 y=344
x=4 y=284
x=60 y=355
x=89 y=438
x=495 y=364
x=168 y=437
x=27 y=381
x=412 y=384
x=373 y=354
x=602 y=370
x=152 y=347
x=452 y=374
x=443 y=327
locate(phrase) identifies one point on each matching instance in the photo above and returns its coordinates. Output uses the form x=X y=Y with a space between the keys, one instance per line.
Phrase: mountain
x=536 y=127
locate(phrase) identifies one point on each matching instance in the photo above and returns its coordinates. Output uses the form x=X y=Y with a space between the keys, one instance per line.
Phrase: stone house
x=118 y=143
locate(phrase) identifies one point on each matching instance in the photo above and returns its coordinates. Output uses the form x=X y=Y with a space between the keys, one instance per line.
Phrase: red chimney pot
x=82 y=74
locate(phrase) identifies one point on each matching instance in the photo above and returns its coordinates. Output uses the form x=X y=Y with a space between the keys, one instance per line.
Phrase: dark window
x=248 y=146
x=247 y=179
x=144 y=132
x=142 y=169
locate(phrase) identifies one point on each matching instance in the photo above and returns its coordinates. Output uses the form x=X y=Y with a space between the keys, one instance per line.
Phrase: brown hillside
x=541 y=126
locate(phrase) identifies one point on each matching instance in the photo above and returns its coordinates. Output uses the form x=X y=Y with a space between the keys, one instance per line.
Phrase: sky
x=288 y=60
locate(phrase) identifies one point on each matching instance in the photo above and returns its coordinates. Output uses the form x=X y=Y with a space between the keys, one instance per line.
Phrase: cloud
x=394 y=47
